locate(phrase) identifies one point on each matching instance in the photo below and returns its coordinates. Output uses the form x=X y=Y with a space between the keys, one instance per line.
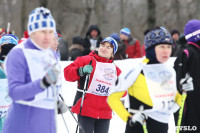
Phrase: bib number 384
x=102 y=89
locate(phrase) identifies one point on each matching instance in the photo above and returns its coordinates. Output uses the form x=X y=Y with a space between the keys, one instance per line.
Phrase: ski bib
x=103 y=79
x=161 y=83
x=39 y=62
x=5 y=100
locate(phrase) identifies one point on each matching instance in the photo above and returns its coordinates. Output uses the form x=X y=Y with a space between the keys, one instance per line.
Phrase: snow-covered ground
x=116 y=124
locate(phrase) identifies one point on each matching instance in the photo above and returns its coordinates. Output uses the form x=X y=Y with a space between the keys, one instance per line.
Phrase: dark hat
x=5 y=49
x=77 y=40
x=175 y=32
x=157 y=36
x=115 y=36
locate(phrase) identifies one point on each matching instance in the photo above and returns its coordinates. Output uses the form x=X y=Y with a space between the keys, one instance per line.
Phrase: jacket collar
x=98 y=58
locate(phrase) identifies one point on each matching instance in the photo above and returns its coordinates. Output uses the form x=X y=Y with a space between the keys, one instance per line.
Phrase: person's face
x=163 y=52
x=55 y=44
x=175 y=37
x=93 y=33
x=43 y=38
x=105 y=50
x=123 y=37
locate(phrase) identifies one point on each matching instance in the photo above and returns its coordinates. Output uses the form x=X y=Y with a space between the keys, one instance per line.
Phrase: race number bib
x=161 y=82
x=103 y=79
x=39 y=62
x=5 y=100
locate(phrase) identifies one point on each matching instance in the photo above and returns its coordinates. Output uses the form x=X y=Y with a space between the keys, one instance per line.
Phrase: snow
x=116 y=124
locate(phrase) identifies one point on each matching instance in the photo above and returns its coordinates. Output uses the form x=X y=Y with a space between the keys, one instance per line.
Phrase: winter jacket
x=121 y=51
x=138 y=95
x=133 y=49
x=188 y=61
x=86 y=41
x=63 y=49
x=75 y=51
x=2 y=76
x=23 y=118
x=93 y=106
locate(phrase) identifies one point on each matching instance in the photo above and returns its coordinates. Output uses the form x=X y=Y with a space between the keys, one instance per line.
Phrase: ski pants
x=92 y=125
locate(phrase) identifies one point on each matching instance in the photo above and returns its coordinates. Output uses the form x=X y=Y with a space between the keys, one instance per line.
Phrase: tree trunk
x=23 y=17
x=151 y=16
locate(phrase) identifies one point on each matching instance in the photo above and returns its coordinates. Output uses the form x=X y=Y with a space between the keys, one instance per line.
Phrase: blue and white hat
x=125 y=31
x=113 y=42
x=9 y=39
x=39 y=19
x=157 y=36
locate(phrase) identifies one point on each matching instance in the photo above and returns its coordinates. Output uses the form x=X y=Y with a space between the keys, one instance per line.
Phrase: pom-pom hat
x=39 y=19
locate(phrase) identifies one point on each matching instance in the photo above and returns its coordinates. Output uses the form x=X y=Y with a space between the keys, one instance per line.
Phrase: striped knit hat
x=112 y=42
x=125 y=31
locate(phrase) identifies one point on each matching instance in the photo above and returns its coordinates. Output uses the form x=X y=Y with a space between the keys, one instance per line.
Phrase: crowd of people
x=31 y=78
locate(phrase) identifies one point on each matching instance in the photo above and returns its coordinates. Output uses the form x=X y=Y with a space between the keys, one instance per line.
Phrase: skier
x=151 y=87
x=6 y=44
x=188 y=61
x=94 y=113
x=32 y=69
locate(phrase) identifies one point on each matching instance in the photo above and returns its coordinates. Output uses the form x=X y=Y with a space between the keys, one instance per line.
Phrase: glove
x=186 y=83
x=87 y=69
x=175 y=107
x=51 y=77
x=138 y=117
x=62 y=107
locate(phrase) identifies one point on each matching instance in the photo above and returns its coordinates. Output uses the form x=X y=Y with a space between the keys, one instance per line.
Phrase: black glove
x=62 y=107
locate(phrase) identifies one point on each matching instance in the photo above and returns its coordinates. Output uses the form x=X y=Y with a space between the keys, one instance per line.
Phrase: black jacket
x=188 y=61
x=86 y=41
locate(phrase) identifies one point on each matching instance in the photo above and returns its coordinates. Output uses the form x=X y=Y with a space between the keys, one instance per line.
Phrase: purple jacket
x=23 y=118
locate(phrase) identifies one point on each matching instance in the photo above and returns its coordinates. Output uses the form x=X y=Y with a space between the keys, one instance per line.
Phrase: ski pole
x=144 y=126
x=184 y=95
x=72 y=114
x=65 y=123
x=55 y=106
x=84 y=91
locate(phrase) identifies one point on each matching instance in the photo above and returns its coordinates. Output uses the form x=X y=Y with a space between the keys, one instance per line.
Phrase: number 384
x=102 y=89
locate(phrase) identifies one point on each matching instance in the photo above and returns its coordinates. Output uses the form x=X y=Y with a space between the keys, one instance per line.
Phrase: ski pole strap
x=145 y=127
x=184 y=95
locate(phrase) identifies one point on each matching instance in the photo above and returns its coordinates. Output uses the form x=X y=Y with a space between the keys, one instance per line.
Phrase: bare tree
x=89 y=7
x=122 y=13
x=23 y=16
x=151 y=16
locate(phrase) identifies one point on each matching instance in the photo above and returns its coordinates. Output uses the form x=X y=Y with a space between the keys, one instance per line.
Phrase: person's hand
x=186 y=83
x=51 y=76
x=175 y=107
x=87 y=69
x=138 y=118
x=62 y=107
